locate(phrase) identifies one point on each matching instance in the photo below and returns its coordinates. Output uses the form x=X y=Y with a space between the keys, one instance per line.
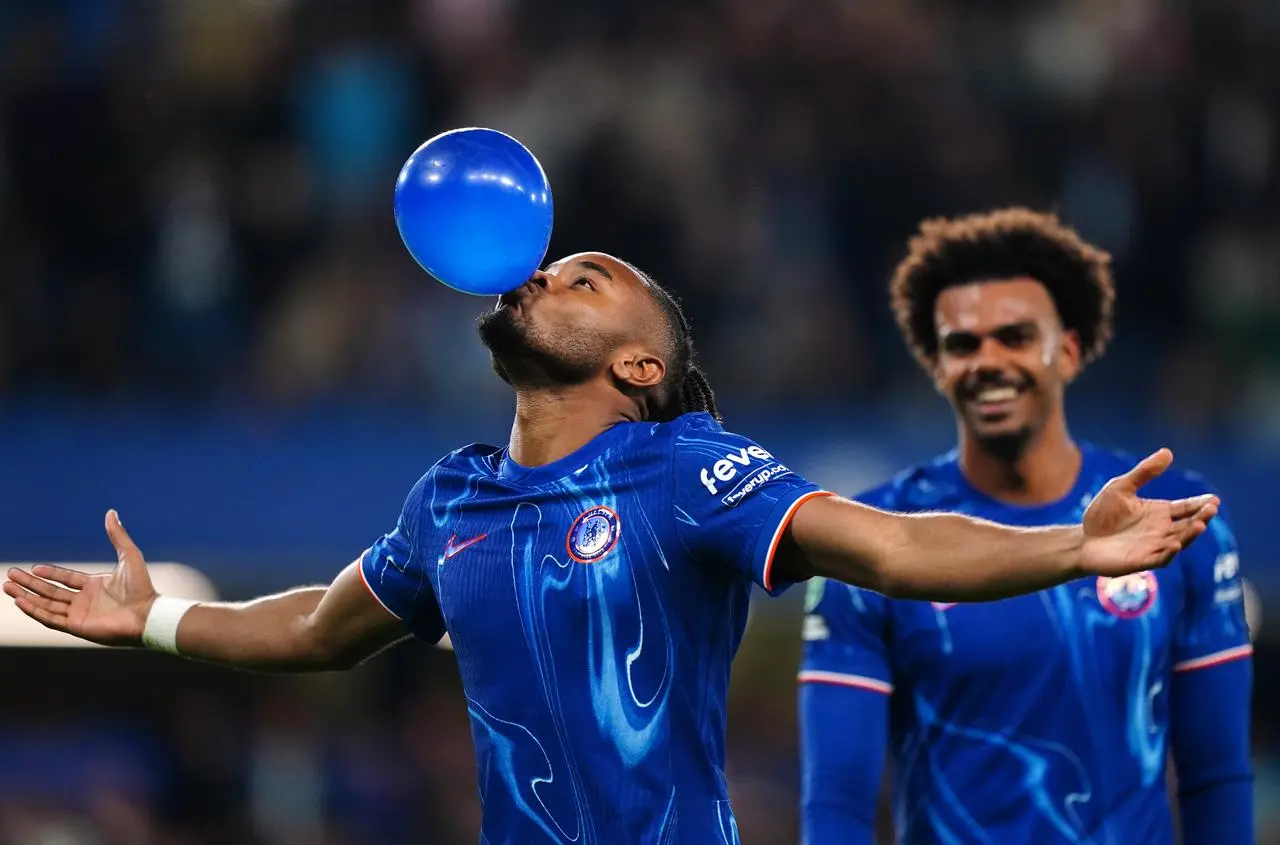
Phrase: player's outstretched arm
x=946 y=557
x=308 y=629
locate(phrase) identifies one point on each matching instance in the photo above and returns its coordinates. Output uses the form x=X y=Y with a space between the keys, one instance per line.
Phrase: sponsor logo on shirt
x=1226 y=567
x=1230 y=594
x=754 y=482
x=1226 y=578
x=731 y=468
x=815 y=629
x=813 y=593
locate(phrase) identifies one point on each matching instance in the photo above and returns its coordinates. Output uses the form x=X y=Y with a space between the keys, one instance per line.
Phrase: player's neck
x=1043 y=472
x=553 y=424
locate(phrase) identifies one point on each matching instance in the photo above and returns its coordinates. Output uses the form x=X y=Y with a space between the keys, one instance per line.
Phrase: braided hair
x=685 y=389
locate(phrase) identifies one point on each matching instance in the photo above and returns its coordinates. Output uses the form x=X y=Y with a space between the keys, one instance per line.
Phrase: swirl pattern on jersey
x=594 y=606
x=1037 y=718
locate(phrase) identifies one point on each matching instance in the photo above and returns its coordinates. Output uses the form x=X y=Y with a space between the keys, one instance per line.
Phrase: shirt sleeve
x=843 y=738
x=844 y=680
x=1209 y=733
x=1210 y=697
x=845 y=632
x=732 y=499
x=395 y=570
x=1211 y=628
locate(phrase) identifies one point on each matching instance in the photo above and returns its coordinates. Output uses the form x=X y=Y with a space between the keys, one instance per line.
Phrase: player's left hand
x=1125 y=533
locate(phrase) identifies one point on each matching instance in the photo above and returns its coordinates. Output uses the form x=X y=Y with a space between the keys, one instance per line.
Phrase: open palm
x=106 y=609
x=1126 y=534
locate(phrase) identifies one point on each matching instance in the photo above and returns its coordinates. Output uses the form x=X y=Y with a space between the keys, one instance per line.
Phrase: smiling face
x=1004 y=359
x=581 y=317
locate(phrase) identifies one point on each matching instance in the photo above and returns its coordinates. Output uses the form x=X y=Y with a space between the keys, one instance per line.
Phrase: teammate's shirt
x=1041 y=718
x=595 y=605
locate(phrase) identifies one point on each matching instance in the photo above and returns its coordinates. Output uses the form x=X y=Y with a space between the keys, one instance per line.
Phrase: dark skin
x=585 y=347
x=1004 y=362
x=582 y=344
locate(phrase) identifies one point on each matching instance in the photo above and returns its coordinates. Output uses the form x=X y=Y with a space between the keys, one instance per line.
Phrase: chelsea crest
x=1128 y=596
x=593 y=534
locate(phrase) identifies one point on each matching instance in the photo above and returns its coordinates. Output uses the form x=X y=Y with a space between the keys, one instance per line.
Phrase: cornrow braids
x=686 y=389
x=697 y=394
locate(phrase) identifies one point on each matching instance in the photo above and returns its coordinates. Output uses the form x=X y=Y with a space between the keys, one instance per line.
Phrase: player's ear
x=1069 y=357
x=638 y=368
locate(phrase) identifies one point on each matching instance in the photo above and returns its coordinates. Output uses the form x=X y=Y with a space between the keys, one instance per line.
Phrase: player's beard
x=1005 y=446
x=1005 y=443
x=527 y=356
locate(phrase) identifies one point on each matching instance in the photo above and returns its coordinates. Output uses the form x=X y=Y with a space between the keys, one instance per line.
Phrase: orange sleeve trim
x=767 y=578
x=815 y=676
x=1237 y=653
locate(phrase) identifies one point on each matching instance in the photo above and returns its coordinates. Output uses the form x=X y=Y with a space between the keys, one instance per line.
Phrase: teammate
x=1042 y=718
x=594 y=574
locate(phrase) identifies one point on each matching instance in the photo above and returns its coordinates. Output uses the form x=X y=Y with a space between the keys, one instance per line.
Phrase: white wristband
x=161 y=631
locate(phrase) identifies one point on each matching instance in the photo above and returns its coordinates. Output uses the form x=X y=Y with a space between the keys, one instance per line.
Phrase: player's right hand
x=105 y=609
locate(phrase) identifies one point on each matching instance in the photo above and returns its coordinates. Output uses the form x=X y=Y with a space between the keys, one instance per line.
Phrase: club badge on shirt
x=593 y=534
x=1128 y=596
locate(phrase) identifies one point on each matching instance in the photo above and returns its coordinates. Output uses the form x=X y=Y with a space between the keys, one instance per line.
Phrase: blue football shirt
x=595 y=605
x=1041 y=718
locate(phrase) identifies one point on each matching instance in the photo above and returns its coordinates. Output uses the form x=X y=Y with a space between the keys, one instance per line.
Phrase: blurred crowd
x=195 y=196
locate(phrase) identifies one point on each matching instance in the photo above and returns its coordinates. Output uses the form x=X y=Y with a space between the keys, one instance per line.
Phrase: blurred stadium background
x=207 y=321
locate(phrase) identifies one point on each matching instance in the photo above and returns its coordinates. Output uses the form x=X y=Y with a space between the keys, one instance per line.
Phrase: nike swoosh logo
x=452 y=548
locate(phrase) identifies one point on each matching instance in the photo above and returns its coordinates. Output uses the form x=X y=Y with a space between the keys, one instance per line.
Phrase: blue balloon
x=474 y=208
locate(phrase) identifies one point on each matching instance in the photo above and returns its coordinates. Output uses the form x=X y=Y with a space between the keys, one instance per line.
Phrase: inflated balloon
x=474 y=208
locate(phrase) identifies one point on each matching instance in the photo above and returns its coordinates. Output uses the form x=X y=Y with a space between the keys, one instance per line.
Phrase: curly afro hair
x=1003 y=244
